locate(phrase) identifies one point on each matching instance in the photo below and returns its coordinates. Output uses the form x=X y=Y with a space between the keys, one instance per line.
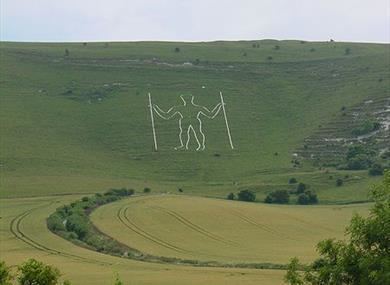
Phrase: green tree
x=363 y=259
x=230 y=196
x=34 y=272
x=5 y=274
x=278 y=197
x=246 y=195
x=301 y=187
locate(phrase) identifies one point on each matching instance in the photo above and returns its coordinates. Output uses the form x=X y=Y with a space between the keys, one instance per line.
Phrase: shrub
x=362 y=257
x=55 y=223
x=292 y=180
x=230 y=196
x=307 y=198
x=339 y=182
x=276 y=47
x=278 y=197
x=270 y=58
x=366 y=127
x=67 y=52
x=312 y=50
x=246 y=195
x=301 y=187
x=376 y=169
x=347 y=51
x=180 y=190
x=147 y=190
x=177 y=49
x=5 y=274
x=34 y=272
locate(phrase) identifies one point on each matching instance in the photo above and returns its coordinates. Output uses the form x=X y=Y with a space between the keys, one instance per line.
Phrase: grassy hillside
x=80 y=122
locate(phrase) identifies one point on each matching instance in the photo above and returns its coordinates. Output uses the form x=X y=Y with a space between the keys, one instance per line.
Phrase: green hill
x=75 y=117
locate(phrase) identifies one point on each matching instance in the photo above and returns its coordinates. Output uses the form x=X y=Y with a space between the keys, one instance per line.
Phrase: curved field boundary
x=15 y=229
x=195 y=227
x=138 y=255
x=124 y=219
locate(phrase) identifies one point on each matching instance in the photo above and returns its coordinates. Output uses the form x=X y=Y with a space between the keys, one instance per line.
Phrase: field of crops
x=23 y=233
x=223 y=231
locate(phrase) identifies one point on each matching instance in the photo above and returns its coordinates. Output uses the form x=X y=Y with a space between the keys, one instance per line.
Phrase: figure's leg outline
x=203 y=145
x=180 y=136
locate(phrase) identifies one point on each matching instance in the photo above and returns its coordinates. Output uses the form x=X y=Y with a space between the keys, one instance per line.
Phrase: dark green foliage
x=246 y=195
x=292 y=180
x=230 y=196
x=66 y=282
x=276 y=47
x=180 y=190
x=363 y=259
x=301 y=187
x=307 y=198
x=358 y=157
x=366 y=127
x=339 y=182
x=72 y=222
x=34 y=272
x=55 y=222
x=67 y=52
x=5 y=274
x=376 y=169
x=177 y=49
x=278 y=197
x=147 y=190
x=347 y=51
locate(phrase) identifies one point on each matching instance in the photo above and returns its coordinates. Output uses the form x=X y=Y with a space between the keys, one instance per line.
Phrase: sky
x=194 y=20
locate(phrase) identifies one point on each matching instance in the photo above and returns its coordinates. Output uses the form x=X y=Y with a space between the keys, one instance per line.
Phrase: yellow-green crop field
x=23 y=234
x=219 y=230
x=169 y=225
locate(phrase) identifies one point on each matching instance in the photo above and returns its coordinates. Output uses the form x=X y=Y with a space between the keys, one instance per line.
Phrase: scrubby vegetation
x=72 y=222
x=246 y=195
x=278 y=197
x=363 y=259
x=31 y=272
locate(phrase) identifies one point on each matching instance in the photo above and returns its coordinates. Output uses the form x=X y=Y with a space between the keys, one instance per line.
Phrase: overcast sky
x=194 y=20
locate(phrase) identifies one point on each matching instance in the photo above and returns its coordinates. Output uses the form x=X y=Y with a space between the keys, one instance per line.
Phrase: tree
x=230 y=196
x=339 y=182
x=246 y=195
x=292 y=180
x=147 y=190
x=347 y=51
x=278 y=197
x=177 y=49
x=5 y=274
x=376 y=169
x=34 y=272
x=67 y=52
x=301 y=187
x=363 y=259
x=307 y=198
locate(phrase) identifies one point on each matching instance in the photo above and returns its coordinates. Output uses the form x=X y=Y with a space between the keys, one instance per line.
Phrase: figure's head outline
x=183 y=98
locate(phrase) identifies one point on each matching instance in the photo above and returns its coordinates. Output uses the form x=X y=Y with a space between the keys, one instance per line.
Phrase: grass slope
x=80 y=123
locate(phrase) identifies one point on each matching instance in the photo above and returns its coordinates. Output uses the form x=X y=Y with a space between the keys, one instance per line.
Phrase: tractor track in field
x=123 y=218
x=15 y=229
x=196 y=228
x=261 y=226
